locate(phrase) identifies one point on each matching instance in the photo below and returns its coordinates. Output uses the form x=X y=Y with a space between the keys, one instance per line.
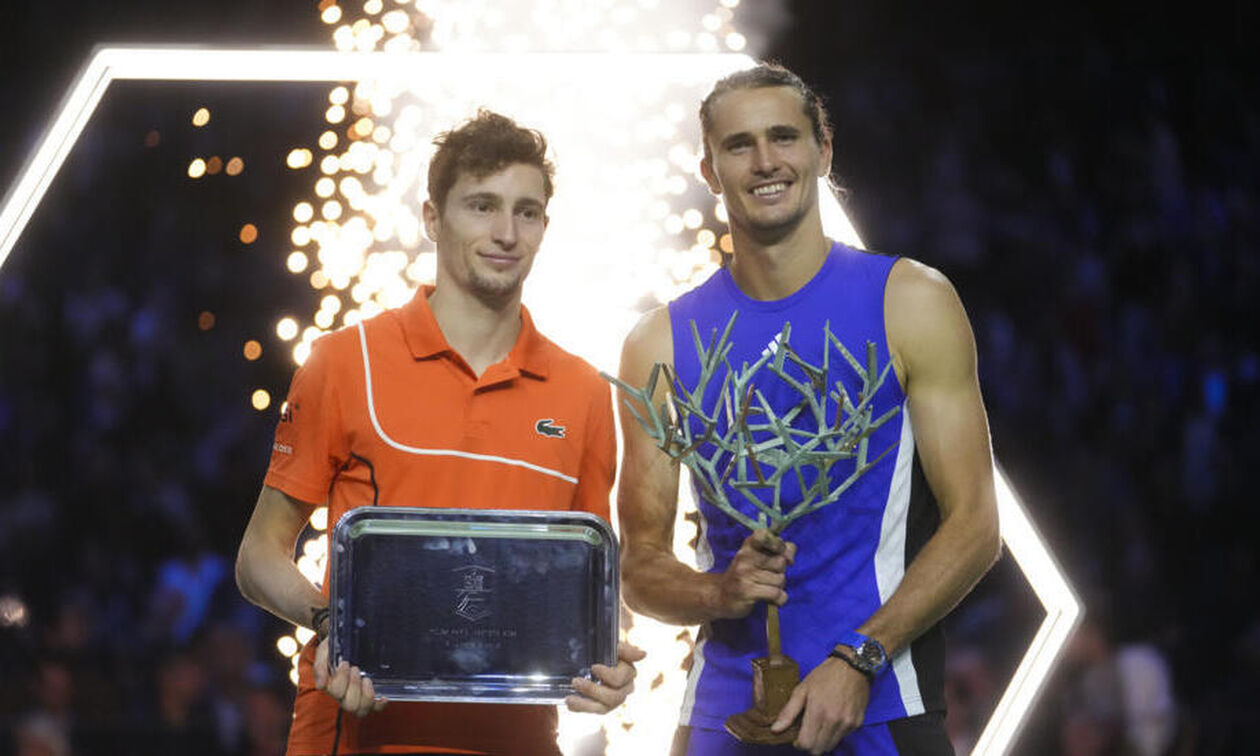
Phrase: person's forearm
x=659 y=586
x=265 y=571
x=273 y=582
x=950 y=564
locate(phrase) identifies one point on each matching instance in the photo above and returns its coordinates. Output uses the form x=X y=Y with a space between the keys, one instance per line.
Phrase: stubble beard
x=771 y=232
x=494 y=289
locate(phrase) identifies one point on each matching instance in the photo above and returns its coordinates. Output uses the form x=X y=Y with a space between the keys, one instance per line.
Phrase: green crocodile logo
x=544 y=427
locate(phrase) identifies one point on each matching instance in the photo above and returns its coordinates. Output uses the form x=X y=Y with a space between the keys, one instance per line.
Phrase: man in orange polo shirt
x=453 y=399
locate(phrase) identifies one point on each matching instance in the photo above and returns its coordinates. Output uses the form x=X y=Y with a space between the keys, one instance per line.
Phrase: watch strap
x=320 y=623
x=868 y=674
x=863 y=647
x=853 y=639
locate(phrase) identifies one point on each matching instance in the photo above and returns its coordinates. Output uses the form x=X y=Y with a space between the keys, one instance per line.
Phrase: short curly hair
x=485 y=144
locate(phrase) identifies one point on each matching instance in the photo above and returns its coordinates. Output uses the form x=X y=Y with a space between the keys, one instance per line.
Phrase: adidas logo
x=773 y=346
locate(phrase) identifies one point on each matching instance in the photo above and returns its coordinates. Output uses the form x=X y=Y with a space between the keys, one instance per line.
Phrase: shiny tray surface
x=473 y=605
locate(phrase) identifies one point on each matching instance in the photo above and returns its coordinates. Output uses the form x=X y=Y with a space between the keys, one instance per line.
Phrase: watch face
x=871 y=655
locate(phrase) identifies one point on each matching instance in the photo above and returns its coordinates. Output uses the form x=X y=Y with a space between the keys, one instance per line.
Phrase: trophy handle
x=774 y=645
x=774 y=678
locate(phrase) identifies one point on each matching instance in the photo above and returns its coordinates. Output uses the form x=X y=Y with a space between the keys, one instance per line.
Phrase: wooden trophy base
x=774 y=679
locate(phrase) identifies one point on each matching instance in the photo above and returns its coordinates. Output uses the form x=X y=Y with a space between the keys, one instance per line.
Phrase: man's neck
x=481 y=332
x=774 y=268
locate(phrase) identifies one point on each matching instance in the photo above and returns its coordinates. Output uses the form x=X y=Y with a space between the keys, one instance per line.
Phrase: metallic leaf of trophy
x=757 y=447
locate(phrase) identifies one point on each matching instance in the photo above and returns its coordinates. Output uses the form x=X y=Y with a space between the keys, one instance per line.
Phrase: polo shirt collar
x=425 y=339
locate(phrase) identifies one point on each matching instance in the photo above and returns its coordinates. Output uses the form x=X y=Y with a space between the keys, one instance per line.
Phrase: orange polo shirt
x=387 y=413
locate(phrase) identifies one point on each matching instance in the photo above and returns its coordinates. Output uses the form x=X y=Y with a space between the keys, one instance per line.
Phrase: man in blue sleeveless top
x=861 y=583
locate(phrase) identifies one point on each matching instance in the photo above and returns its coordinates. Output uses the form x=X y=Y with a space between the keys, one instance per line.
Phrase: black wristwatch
x=319 y=623
x=868 y=656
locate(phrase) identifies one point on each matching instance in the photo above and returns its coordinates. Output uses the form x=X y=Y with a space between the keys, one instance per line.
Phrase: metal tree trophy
x=754 y=450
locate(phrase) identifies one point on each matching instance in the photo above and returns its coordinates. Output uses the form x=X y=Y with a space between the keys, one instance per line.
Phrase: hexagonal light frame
x=109 y=64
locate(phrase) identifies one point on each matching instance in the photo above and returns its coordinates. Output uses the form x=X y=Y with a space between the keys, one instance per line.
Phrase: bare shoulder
x=913 y=286
x=926 y=322
x=649 y=342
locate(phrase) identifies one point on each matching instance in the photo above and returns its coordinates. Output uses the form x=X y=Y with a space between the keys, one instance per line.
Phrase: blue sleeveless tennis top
x=851 y=554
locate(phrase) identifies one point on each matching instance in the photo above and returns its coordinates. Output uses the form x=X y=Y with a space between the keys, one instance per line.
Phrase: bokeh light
x=287 y=645
x=13 y=611
x=286 y=329
x=298 y=158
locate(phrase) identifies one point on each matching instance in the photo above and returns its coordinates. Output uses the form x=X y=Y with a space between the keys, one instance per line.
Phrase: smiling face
x=488 y=230
x=763 y=158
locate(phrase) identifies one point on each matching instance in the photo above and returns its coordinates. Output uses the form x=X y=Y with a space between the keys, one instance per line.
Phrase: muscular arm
x=935 y=358
x=935 y=354
x=265 y=570
x=656 y=583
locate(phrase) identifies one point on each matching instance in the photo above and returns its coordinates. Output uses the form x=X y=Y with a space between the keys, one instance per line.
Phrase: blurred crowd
x=1101 y=227
x=133 y=455
x=121 y=630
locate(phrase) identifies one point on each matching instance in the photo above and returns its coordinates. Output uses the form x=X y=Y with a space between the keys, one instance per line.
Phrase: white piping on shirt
x=371 y=403
x=890 y=558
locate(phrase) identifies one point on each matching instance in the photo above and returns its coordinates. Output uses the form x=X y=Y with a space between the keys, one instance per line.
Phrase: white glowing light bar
x=199 y=64
x=1063 y=614
x=834 y=219
x=109 y=64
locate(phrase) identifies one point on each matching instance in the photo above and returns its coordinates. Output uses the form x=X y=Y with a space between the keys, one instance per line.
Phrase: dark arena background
x=1088 y=175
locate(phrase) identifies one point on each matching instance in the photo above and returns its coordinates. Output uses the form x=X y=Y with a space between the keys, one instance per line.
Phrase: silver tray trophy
x=494 y=606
